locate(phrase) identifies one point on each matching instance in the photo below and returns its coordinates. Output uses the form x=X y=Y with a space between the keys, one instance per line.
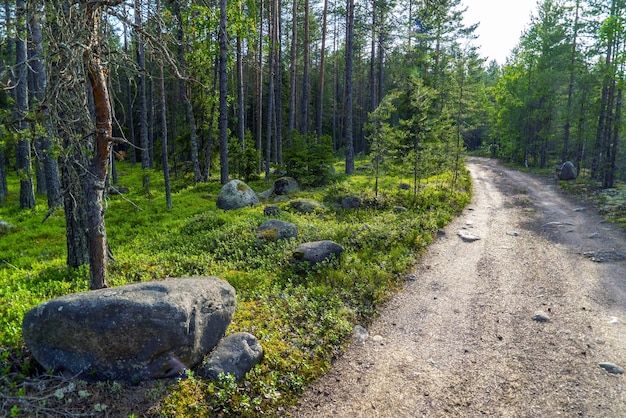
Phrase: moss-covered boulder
x=275 y=229
x=306 y=205
x=236 y=194
x=285 y=185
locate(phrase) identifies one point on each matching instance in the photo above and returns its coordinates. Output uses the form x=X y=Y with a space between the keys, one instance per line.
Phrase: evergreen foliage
x=309 y=159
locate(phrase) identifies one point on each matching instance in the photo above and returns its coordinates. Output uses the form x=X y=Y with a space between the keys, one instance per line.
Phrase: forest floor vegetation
x=303 y=318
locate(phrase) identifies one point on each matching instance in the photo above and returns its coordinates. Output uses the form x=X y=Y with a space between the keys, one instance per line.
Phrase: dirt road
x=461 y=341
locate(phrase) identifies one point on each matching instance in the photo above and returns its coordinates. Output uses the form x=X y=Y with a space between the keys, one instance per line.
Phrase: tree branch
x=158 y=45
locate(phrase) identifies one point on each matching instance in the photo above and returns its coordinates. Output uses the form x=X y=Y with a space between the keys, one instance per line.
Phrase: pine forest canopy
x=239 y=85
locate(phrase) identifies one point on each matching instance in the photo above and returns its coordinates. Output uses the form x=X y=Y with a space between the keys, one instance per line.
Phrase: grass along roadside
x=301 y=318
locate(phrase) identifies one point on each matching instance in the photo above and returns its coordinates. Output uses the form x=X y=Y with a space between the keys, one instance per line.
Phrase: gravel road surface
x=516 y=323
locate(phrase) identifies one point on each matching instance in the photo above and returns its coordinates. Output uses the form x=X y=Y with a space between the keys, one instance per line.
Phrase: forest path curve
x=460 y=340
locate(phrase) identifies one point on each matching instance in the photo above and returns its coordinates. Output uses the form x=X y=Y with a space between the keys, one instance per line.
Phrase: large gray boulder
x=285 y=185
x=275 y=229
x=236 y=194
x=236 y=354
x=567 y=171
x=317 y=251
x=134 y=332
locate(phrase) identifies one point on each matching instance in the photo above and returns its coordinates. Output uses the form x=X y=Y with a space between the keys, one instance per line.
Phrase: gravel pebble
x=541 y=316
x=612 y=368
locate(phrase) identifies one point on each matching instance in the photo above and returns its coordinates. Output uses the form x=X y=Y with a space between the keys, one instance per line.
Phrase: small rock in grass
x=612 y=368
x=235 y=354
x=271 y=210
x=540 y=316
x=5 y=227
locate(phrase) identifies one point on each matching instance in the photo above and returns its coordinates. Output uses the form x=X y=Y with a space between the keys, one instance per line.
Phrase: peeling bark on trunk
x=96 y=177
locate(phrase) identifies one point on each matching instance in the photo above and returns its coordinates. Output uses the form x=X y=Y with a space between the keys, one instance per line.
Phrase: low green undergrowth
x=302 y=316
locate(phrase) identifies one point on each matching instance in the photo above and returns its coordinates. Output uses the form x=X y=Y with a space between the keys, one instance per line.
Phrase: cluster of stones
x=236 y=194
x=142 y=331
x=160 y=329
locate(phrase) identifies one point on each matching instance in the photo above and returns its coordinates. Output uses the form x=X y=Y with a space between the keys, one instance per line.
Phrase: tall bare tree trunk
x=372 y=75
x=320 y=105
x=22 y=149
x=185 y=97
x=97 y=172
x=599 y=161
x=208 y=154
x=8 y=52
x=223 y=121
x=570 y=90
x=129 y=106
x=4 y=189
x=70 y=119
x=293 y=73
x=279 y=90
x=272 y=11
x=50 y=164
x=259 y=86
x=142 y=96
x=306 y=81
x=241 y=124
x=163 y=110
x=348 y=86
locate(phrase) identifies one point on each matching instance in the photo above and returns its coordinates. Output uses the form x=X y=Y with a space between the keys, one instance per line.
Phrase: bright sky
x=501 y=24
